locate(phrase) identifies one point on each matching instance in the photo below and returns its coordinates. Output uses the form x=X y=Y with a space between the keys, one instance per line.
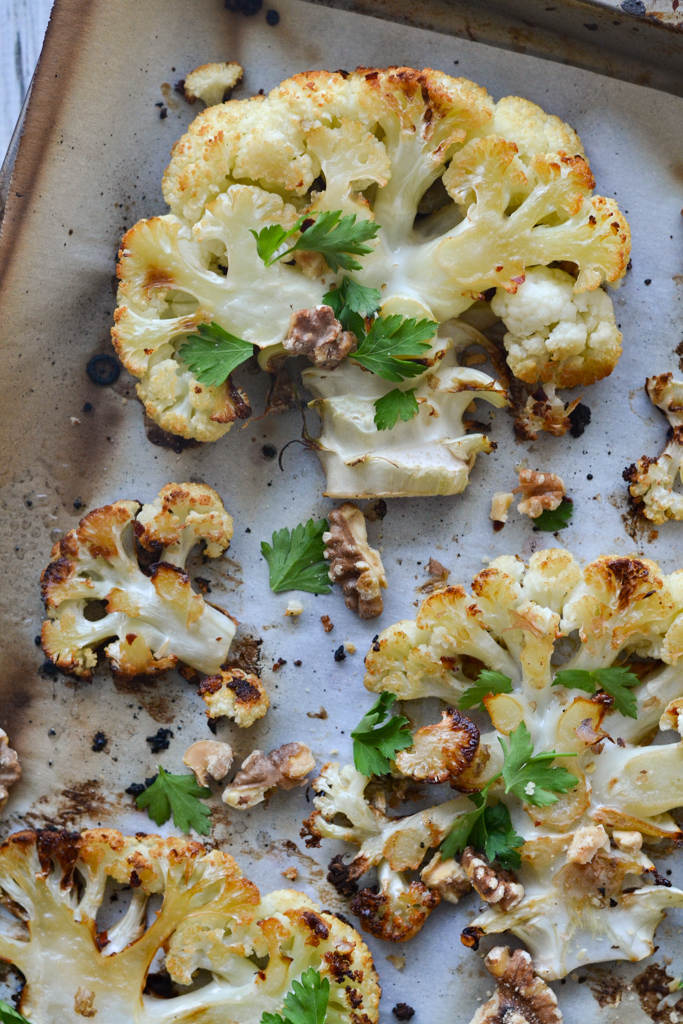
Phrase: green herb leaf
x=393 y=406
x=8 y=1014
x=306 y=1003
x=550 y=521
x=351 y=303
x=487 y=828
x=213 y=354
x=459 y=836
x=177 y=795
x=296 y=560
x=616 y=681
x=377 y=738
x=337 y=238
x=530 y=776
x=488 y=681
x=388 y=343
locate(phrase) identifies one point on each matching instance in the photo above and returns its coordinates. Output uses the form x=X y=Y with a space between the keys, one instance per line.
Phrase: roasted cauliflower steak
x=585 y=891
x=228 y=952
x=467 y=194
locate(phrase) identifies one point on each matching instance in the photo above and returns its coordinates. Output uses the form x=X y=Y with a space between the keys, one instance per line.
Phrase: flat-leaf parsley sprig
x=306 y=1003
x=213 y=353
x=377 y=738
x=551 y=520
x=296 y=559
x=335 y=237
x=487 y=683
x=615 y=681
x=180 y=796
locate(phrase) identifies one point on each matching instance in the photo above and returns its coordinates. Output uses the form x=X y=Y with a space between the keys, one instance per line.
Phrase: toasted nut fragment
x=208 y=759
x=628 y=842
x=494 y=885
x=442 y=751
x=540 y=491
x=291 y=873
x=353 y=563
x=235 y=694
x=500 y=503
x=283 y=768
x=544 y=411
x=447 y=877
x=586 y=842
x=317 y=334
x=10 y=769
x=438 y=577
x=521 y=996
x=83 y=1002
x=210 y=82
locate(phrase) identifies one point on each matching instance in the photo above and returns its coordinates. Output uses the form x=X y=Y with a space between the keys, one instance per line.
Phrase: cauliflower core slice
x=555 y=335
x=584 y=891
x=241 y=950
x=95 y=589
x=652 y=481
x=516 y=196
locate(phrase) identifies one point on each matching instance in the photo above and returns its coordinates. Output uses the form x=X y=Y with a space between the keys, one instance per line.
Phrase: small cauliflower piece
x=318 y=335
x=208 y=759
x=500 y=505
x=155 y=618
x=521 y=997
x=190 y=910
x=294 y=609
x=540 y=491
x=353 y=563
x=234 y=693
x=652 y=480
x=441 y=752
x=10 y=769
x=628 y=842
x=554 y=335
x=210 y=82
x=284 y=768
x=446 y=877
x=496 y=886
x=544 y=411
x=394 y=910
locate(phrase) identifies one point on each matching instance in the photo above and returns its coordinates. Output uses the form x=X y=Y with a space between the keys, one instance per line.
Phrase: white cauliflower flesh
x=652 y=481
x=466 y=195
x=229 y=953
x=151 y=619
x=556 y=335
x=584 y=890
x=210 y=82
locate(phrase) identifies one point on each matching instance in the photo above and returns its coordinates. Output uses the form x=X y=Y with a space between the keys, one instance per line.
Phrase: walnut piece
x=494 y=885
x=83 y=1002
x=628 y=842
x=500 y=503
x=10 y=769
x=353 y=563
x=438 y=577
x=442 y=751
x=586 y=842
x=283 y=768
x=317 y=334
x=521 y=997
x=208 y=759
x=210 y=82
x=540 y=491
x=447 y=877
x=544 y=411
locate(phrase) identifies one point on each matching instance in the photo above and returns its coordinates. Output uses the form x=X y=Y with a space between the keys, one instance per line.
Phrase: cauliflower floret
x=555 y=335
x=394 y=910
x=370 y=144
x=652 y=481
x=210 y=82
x=95 y=589
x=442 y=751
x=211 y=919
x=544 y=410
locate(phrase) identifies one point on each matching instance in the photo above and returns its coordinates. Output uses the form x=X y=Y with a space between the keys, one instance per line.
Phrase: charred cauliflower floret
x=120 y=578
x=555 y=335
x=651 y=481
x=463 y=195
x=228 y=952
x=585 y=662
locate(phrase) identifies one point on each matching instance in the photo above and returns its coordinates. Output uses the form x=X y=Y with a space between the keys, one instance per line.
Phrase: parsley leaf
x=9 y=1015
x=306 y=1003
x=487 y=828
x=337 y=238
x=557 y=519
x=488 y=681
x=296 y=560
x=377 y=737
x=392 y=337
x=395 y=405
x=530 y=776
x=177 y=795
x=459 y=836
x=617 y=682
x=351 y=303
x=213 y=354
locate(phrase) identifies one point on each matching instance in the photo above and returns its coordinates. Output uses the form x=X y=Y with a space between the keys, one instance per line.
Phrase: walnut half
x=353 y=563
x=494 y=885
x=317 y=334
x=521 y=997
x=540 y=491
x=10 y=769
x=283 y=768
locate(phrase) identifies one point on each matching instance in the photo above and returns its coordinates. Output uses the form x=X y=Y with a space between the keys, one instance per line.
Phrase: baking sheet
x=102 y=152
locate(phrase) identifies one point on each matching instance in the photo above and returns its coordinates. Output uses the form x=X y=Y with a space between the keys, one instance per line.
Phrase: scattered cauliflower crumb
x=84 y=1002
x=350 y=647
x=500 y=504
x=210 y=82
x=291 y=873
x=540 y=491
x=294 y=608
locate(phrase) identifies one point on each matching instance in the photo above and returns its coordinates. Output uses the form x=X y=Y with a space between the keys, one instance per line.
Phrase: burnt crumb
x=591 y=26
x=179 y=87
x=269 y=451
x=403 y=1012
x=163 y=113
x=659 y=879
x=160 y=985
x=161 y=438
x=103 y=370
x=135 y=789
x=37 y=640
x=375 y=642
x=278 y=664
x=327 y=625
x=317 y=714
x=247 y=7
x=613 y=902
x=52 y=732
x=272 y=18
x=340 y=653
x=579 y=419
x=78 y=504
x=375 y=510
x=298 y=662
x=87 y=407
x=648 y=280
x=49 y=669
x=203 y=585
x=99 y=742
x=340 y=876
x=607 y=988
x=652 y=986
x=161 y=740
x=212 y=724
